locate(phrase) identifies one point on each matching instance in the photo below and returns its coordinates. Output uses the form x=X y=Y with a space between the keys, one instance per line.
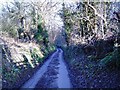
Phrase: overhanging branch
x=96 y=13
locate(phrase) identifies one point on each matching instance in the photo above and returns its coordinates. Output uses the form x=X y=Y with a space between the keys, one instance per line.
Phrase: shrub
x=41 y=35
x=112 y=59
x=51 y=48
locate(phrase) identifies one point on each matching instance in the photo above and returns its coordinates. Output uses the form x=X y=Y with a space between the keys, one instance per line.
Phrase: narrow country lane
x=53 y=74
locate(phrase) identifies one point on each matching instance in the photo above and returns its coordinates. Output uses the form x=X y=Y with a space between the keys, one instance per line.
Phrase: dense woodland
x=89 y=37
x=92 y=34
x=24 y=39
x=94 y=25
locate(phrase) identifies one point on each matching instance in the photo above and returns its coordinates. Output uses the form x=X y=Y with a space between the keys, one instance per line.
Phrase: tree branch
x=96 y=13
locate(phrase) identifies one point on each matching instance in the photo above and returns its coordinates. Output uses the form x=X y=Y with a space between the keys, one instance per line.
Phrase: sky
x=2 y=2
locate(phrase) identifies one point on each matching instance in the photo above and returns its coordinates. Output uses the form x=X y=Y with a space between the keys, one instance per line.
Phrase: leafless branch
x=96 y=13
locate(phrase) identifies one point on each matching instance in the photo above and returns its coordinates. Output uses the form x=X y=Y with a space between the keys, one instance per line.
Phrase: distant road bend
x=53 y=74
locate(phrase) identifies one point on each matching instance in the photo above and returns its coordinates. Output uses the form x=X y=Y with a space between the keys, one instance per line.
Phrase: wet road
x=53 y=74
